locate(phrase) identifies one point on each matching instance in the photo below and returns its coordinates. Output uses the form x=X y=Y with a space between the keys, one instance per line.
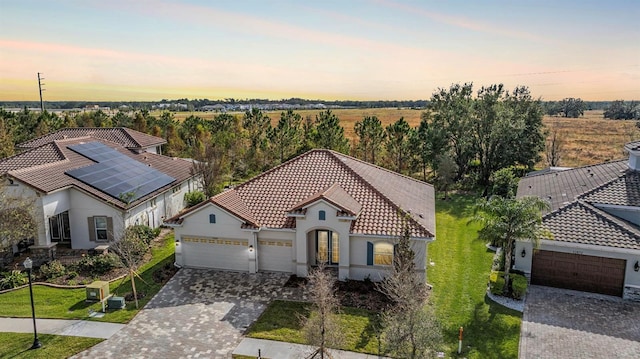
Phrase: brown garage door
x=578 y=272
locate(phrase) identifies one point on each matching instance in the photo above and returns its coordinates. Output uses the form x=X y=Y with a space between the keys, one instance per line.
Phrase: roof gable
x=582 y=223
x=336 y=196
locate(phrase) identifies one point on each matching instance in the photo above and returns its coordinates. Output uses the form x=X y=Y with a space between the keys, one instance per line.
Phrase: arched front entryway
x=323 y=247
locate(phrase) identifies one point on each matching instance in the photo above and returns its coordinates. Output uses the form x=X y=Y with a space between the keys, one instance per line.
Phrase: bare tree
x=411 y=329
x=554 y=147
x=17 y=220
x=321 y=328
x=130 y=249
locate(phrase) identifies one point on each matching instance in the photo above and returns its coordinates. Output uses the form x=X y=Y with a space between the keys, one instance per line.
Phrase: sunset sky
x=338 y=49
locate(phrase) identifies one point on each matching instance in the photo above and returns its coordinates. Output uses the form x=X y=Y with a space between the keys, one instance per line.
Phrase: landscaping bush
x=193 y=198
x=518 y=284
x=97 y=265
x=52 y=270
x=13 y=279
x=145 y=233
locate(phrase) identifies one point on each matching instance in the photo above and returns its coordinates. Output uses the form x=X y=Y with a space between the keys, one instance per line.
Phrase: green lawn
x=70 y=303
x=16 y=345
x=459 y=279
x=280 y=321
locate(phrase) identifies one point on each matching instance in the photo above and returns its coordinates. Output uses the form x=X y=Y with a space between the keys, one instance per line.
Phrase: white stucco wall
x=359 y=268
x=197 y=225
x=631 y=256
x=84 y=206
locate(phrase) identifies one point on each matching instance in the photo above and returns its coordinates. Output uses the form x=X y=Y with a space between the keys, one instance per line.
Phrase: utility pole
x=40 y=88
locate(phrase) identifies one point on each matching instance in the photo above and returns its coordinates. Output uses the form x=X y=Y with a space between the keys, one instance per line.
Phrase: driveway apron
x=198 y=314
x=560 y=323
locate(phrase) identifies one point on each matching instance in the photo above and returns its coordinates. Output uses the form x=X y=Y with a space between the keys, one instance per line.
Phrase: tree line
x=463 y=136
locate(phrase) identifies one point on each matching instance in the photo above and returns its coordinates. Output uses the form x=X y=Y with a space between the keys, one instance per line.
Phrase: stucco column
x=253 y=253
x=302 y=269
x=345 y=245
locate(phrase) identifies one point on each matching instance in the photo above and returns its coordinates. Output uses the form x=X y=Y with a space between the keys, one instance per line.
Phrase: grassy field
x=589 y=139
x=16 y=345
x=70 y=303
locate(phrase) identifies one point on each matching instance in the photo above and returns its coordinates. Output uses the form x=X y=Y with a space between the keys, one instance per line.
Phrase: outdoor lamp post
x=28 y=264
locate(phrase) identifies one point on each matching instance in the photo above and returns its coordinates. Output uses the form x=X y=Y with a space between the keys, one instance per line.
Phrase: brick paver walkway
x=560 y=323
x=198 y=314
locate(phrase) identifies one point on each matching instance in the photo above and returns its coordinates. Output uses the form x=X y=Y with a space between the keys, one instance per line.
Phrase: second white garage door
x=202 y=252
x=275 y=256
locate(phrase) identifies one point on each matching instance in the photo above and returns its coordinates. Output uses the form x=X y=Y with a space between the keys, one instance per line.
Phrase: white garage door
x=274 y=256
x=202 y=252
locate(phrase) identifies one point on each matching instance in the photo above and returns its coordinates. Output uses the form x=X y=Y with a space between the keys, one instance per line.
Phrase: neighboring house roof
x=633 y=146
x=126 y=137
x=581 y=222
x=563 y=187
x=575 y=195
x=622 y=191
x=375 y=195
x=44 y=168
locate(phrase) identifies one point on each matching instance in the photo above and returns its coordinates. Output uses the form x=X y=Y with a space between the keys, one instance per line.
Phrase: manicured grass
x=70 y=303
x=281 y=321
x=16 y=345
x=459 y=279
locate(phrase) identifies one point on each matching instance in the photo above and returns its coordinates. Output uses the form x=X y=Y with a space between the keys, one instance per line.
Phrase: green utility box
x=116 y=303
x=97 y=291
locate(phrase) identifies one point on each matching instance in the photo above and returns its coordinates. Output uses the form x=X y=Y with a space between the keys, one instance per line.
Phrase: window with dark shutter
x=322 y=215
x=369 y=253
x=212 y=218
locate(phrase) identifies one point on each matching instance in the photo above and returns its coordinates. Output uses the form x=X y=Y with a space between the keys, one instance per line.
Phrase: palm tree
x=506 y=220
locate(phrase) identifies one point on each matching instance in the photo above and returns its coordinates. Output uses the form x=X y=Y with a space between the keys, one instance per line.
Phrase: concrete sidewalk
x=77 y=328
x=280 y=350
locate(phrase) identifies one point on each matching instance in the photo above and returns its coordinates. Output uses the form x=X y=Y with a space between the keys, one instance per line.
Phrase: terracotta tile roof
x=564 y=187
x=623 y=191
x=126 y=137
x=581 y=222
x=34 y=157
x=48 y=174
x=267 y=199
x=335 y=195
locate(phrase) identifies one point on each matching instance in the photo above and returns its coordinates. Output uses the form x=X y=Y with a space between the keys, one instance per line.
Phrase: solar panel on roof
x=116 y=174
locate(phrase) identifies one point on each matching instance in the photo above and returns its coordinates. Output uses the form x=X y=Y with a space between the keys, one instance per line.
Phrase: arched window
x=212 y=218
x=322 y=215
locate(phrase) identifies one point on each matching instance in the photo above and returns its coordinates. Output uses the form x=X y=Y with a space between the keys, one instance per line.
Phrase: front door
x=59 y=227
x=328 y=247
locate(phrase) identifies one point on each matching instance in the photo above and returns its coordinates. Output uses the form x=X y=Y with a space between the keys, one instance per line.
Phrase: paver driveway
x=198 y=314
x=560 y=323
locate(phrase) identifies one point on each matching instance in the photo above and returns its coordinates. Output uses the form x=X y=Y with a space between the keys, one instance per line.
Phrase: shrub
x=52 y=270
x=72 y=274
x=193 y=198
x=98 y=265
x=13 y=279
x=145 y=233
x=518 y=284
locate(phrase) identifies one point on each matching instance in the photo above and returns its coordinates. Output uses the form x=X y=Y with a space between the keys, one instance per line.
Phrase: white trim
x=552 y=243
x=209 y=203
x=379 y=236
